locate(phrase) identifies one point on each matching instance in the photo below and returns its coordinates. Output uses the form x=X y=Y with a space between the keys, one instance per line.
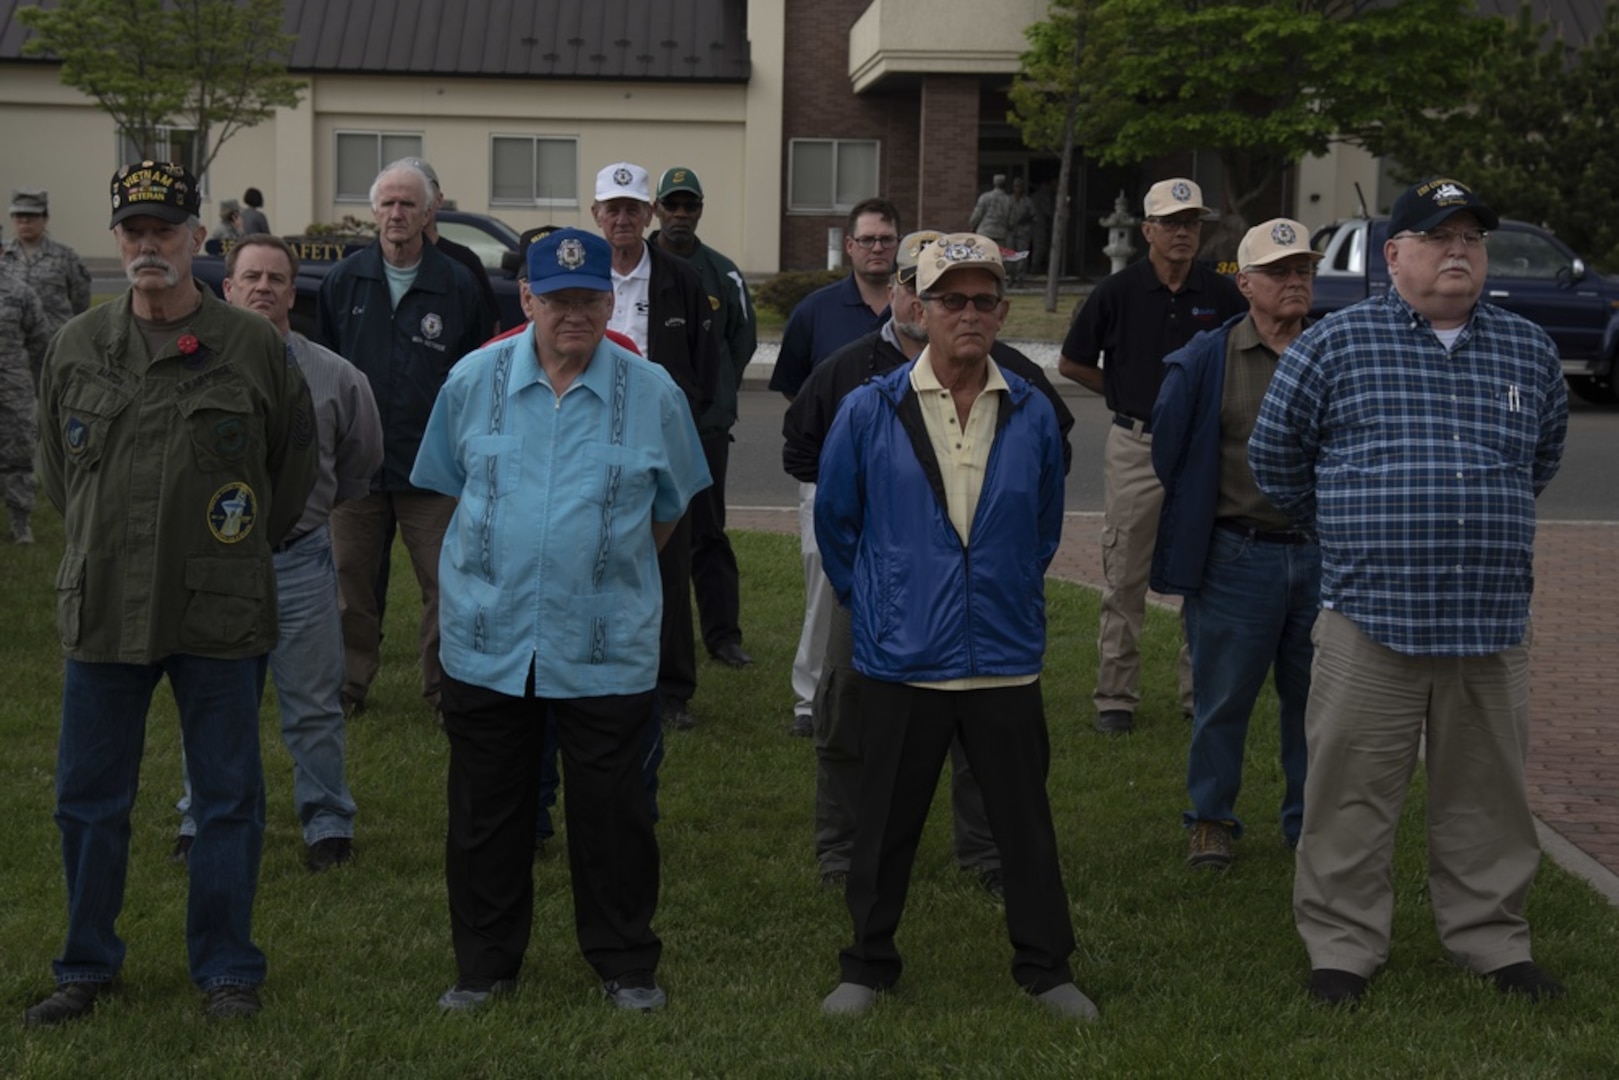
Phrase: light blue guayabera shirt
x=549 y=558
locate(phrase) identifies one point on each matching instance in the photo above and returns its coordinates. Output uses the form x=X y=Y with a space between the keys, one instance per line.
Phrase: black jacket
x=678 y=327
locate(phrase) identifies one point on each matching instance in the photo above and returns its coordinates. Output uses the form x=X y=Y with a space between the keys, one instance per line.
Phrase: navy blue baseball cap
x=1428 y=204
x=570 y=259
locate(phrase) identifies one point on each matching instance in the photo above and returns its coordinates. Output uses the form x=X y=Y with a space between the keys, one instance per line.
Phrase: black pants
x=907 y=733
x=714 y=574
x=677 y=646
x=494 y=782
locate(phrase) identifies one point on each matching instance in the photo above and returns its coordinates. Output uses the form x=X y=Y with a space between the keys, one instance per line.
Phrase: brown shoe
x=1208 y=845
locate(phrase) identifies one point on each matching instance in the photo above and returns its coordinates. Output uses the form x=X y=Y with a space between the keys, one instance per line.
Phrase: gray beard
x=914 y=331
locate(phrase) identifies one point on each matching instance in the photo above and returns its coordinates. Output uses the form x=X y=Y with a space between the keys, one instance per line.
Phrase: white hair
x=404 y=167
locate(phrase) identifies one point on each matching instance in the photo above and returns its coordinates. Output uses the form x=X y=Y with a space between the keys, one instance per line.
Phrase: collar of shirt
x=527 y=372
x=642 y=271
x=924 y=378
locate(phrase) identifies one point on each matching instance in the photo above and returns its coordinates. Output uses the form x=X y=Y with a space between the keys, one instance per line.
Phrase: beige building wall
x=1326 y=188
x=729 y=134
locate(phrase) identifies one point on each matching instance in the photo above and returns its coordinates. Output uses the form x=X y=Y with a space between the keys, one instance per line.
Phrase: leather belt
x=1290 y=536
x=1131 y=424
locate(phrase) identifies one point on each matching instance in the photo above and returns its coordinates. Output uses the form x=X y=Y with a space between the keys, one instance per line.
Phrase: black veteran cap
x=1426 y=205
x=161 y=189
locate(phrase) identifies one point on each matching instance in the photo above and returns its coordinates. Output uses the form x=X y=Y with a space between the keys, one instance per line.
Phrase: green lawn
x=1197 y=975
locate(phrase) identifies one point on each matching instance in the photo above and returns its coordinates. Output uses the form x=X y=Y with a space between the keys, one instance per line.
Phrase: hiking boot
x=1208 y=845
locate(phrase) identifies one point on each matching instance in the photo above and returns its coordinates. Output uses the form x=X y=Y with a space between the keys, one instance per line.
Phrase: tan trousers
x=1132 y=497
x=1369 y=710
x=358 y=529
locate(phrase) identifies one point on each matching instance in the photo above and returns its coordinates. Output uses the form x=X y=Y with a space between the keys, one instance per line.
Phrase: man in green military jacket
x=177 y=439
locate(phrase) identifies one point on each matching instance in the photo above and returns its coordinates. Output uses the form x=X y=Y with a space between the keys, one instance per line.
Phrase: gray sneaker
x=849 y=999
x=1067 y=1002
x=635 y=991
x=459 y=999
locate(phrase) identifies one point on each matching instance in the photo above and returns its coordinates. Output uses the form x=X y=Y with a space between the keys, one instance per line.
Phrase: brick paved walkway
x=1574 y=742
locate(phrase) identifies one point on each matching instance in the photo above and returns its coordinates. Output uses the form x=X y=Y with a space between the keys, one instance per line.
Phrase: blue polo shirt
x=549 y=559
x=823 y=322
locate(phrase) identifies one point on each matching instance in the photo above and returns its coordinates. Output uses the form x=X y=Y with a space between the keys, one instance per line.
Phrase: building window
x=533 y=170
x=830 y=175
x=173 y=144
x=362 y=154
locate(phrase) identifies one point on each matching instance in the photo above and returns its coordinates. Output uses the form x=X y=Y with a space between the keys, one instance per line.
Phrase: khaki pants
x=1133 y=496
x=358 y=529
x=1369 y=710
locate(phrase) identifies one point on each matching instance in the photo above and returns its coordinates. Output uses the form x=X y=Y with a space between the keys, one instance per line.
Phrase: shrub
x=783 y=292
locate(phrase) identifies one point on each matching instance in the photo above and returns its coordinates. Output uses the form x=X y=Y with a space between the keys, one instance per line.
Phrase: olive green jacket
x=175 y=476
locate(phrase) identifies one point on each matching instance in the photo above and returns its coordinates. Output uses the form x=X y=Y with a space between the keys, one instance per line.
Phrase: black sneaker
x=330 y=852
x=1115 y=722
x=677 y=715
x=182 y=849
x=802 y=727
x=989 y=879
x=1334 y=987
x=68 y=1002
x=1527 y=979
x=233 y=1002
x=834 y=879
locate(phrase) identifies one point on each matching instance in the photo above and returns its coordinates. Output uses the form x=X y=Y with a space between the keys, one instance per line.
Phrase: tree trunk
x=1059 y=213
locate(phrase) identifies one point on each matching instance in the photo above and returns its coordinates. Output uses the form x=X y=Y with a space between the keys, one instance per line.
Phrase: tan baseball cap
x=1275 y=239
x=910 y=249
x=1174 y=196
x=957 y=251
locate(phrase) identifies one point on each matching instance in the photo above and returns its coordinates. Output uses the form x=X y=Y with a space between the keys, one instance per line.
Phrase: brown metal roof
x=635 y=40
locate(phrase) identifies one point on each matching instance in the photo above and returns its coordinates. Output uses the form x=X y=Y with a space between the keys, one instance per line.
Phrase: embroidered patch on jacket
x=232 y=512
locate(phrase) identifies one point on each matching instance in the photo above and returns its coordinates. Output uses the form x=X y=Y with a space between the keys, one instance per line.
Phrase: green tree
x=1263 y=83
x=1533 y=130
x=214 y=66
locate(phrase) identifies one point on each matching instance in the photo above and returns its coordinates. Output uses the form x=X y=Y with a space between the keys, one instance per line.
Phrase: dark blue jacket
x=405 y=352
x=1186 y=457
x=823 y=322
x=925 y=607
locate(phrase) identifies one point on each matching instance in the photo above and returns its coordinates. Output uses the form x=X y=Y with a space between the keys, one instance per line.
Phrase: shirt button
x=1458 y=476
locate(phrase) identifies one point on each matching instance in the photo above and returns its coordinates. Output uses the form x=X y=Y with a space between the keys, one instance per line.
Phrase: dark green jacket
x=175 y=476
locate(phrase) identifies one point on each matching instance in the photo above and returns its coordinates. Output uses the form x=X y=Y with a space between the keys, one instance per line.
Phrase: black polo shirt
x=1133 y=321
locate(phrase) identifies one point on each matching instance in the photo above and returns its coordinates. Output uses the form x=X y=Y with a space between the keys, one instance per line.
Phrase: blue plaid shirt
x=1417 y=468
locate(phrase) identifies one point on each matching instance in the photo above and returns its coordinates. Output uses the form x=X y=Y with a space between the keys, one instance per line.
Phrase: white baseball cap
x=623 y=180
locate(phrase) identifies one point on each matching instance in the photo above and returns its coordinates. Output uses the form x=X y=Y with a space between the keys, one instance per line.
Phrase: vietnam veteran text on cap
x=161 y=189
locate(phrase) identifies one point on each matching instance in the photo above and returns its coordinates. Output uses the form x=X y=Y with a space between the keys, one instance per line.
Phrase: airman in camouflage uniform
x=54 y=270
x=25 y=331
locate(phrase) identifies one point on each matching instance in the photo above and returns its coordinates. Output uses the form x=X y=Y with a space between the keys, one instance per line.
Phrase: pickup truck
x=1532 y=273
x=494 y=242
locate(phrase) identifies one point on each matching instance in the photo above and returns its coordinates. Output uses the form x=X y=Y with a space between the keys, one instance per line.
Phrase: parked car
x=494 y=242
x=1532 y=272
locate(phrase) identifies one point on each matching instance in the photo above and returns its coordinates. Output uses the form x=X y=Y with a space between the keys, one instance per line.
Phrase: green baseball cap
x=678 y=179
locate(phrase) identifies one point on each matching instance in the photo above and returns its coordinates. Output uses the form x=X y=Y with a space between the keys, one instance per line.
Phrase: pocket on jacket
x=87 y=412
x=223 y=426
x=70 y=597
x=225 y=602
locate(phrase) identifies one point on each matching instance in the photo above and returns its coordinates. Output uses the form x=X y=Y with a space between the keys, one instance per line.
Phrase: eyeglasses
x=869 y=242
x=1282 y=273
x=1443 y=238
x=1177 y=224
x=587 y=308
x=954 y=301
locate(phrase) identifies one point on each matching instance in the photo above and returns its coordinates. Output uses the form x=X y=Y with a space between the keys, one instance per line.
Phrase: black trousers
x=907 y=732
x=677 y=645
x=714 y=575
x=494 y=784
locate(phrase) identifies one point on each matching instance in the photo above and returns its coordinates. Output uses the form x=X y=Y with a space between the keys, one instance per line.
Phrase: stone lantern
x=1119 y=225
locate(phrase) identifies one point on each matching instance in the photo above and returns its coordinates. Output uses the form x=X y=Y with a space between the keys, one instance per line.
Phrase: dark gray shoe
x=635 y=991
x=802 y=727
x=459 y=999
x=330 y=852
x=68 y=1002
x=1115 y=722
x=233 y=1002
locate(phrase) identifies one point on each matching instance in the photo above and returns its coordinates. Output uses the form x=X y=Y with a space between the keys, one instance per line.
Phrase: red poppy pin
x=188 y=344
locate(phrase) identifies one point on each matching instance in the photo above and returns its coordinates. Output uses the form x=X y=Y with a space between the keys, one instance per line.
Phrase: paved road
x=1573 y=768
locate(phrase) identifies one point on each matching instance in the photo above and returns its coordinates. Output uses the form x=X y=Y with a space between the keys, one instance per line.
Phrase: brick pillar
x=947 y=161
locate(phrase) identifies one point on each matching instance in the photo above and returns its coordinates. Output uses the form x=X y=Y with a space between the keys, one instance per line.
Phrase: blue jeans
x=98 y=761
x=307 y=666
x=1255 y=609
